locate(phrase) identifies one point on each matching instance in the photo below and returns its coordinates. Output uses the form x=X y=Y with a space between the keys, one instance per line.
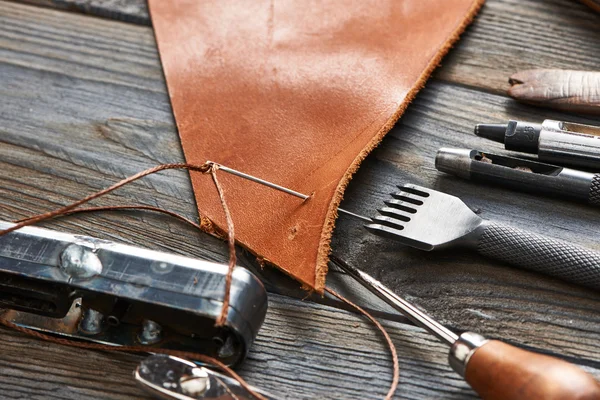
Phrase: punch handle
x=499 y=371
x=594 y=197
x=539 y=253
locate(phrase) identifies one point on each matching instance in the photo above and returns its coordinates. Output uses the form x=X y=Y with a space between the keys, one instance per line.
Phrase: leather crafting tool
x=575 y=91
x=556 y=142
x=173 y=378
x=495 y=370
x=106 y=292
x=427 y=219
x=298 y=93
x=516 y=173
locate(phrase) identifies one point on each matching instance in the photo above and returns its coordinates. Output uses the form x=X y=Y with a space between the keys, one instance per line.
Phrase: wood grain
x=84 y=105
x=134 y=11
x=100 y=131
x=304 y=351
x=513 y=35
x=507 y=36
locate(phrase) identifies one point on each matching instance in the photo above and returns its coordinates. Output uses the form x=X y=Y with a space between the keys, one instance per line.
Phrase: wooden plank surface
x=304 y=351
x=85 y=105
x=507 y=36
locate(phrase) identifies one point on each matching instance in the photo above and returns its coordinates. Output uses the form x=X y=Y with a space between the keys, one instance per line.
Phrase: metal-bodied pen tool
x=494 y=369
x=515 y=173
x=556 y=142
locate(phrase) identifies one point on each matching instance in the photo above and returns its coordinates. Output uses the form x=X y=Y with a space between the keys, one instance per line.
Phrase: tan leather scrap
x=296 y=93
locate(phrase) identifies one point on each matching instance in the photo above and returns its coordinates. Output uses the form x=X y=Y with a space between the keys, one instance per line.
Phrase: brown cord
x=125 y=208
x=389 y=341
x=231 y=240
x=205 y=168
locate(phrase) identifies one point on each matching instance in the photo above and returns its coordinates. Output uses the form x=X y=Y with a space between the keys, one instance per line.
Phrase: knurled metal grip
x=595 y=190
x=541 y=254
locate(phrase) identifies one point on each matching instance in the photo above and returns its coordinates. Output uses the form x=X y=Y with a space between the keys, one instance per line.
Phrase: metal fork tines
x=428 y=220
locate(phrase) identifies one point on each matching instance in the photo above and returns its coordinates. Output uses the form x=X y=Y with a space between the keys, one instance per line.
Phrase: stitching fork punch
x=519 y=174
x=428 y=220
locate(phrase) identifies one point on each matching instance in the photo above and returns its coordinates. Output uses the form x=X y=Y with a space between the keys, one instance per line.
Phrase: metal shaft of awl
x=278 y=187
x=410 y=311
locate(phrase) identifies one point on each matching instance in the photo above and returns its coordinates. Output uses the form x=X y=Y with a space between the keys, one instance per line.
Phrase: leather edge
x=593 y=5
x=326 y=233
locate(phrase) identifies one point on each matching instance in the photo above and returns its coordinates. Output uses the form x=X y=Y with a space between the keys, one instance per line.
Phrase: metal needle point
x=410 y=311
x=280 y=188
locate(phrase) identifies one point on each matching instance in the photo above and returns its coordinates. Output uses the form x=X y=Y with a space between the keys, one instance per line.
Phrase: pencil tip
x=493 y=132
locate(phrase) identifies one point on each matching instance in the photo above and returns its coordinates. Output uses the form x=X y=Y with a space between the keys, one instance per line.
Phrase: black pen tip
x=493 y=132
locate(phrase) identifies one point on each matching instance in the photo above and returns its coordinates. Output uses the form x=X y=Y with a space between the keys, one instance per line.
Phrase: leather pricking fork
x=429 y=220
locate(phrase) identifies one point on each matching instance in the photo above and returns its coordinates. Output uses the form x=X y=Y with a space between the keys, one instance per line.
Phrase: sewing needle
x=278 y=187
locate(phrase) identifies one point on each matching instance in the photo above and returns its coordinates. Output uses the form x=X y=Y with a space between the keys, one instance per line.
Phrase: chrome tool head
x=424 y=218
x=105 y=292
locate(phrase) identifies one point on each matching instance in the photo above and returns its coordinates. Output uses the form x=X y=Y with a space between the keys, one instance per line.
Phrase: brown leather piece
x=594 y=4
x=297 y=93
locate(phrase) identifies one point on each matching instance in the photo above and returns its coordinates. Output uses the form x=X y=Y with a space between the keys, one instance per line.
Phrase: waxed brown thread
x=231 y=242
x=126 y=208
x=204 y=168
x=390 y=343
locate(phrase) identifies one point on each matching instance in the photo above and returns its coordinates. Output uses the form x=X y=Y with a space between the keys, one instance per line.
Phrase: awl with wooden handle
x=495 y=370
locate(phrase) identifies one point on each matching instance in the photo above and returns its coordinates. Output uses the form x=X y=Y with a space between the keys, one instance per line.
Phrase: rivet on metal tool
x=151 y=332
x=195 y=384
x=79 y=262
x=92 y=322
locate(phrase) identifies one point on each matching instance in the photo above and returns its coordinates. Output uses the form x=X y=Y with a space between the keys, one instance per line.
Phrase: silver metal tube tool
x=556 y=142
x=519 y=174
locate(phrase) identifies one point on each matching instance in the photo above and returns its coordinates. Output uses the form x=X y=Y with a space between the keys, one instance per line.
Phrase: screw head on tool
x=79 y=262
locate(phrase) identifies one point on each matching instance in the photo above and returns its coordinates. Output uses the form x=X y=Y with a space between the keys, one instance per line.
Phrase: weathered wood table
x=83 y=103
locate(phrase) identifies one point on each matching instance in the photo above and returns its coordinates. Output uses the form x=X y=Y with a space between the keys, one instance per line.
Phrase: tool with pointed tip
x=516 y=173
x=428 y=220
x=556 y=142
x=495 y=370
x=279 y=187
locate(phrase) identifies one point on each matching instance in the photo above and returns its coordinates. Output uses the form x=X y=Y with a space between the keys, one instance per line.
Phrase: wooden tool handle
x=575 y=91
x=500 y=371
